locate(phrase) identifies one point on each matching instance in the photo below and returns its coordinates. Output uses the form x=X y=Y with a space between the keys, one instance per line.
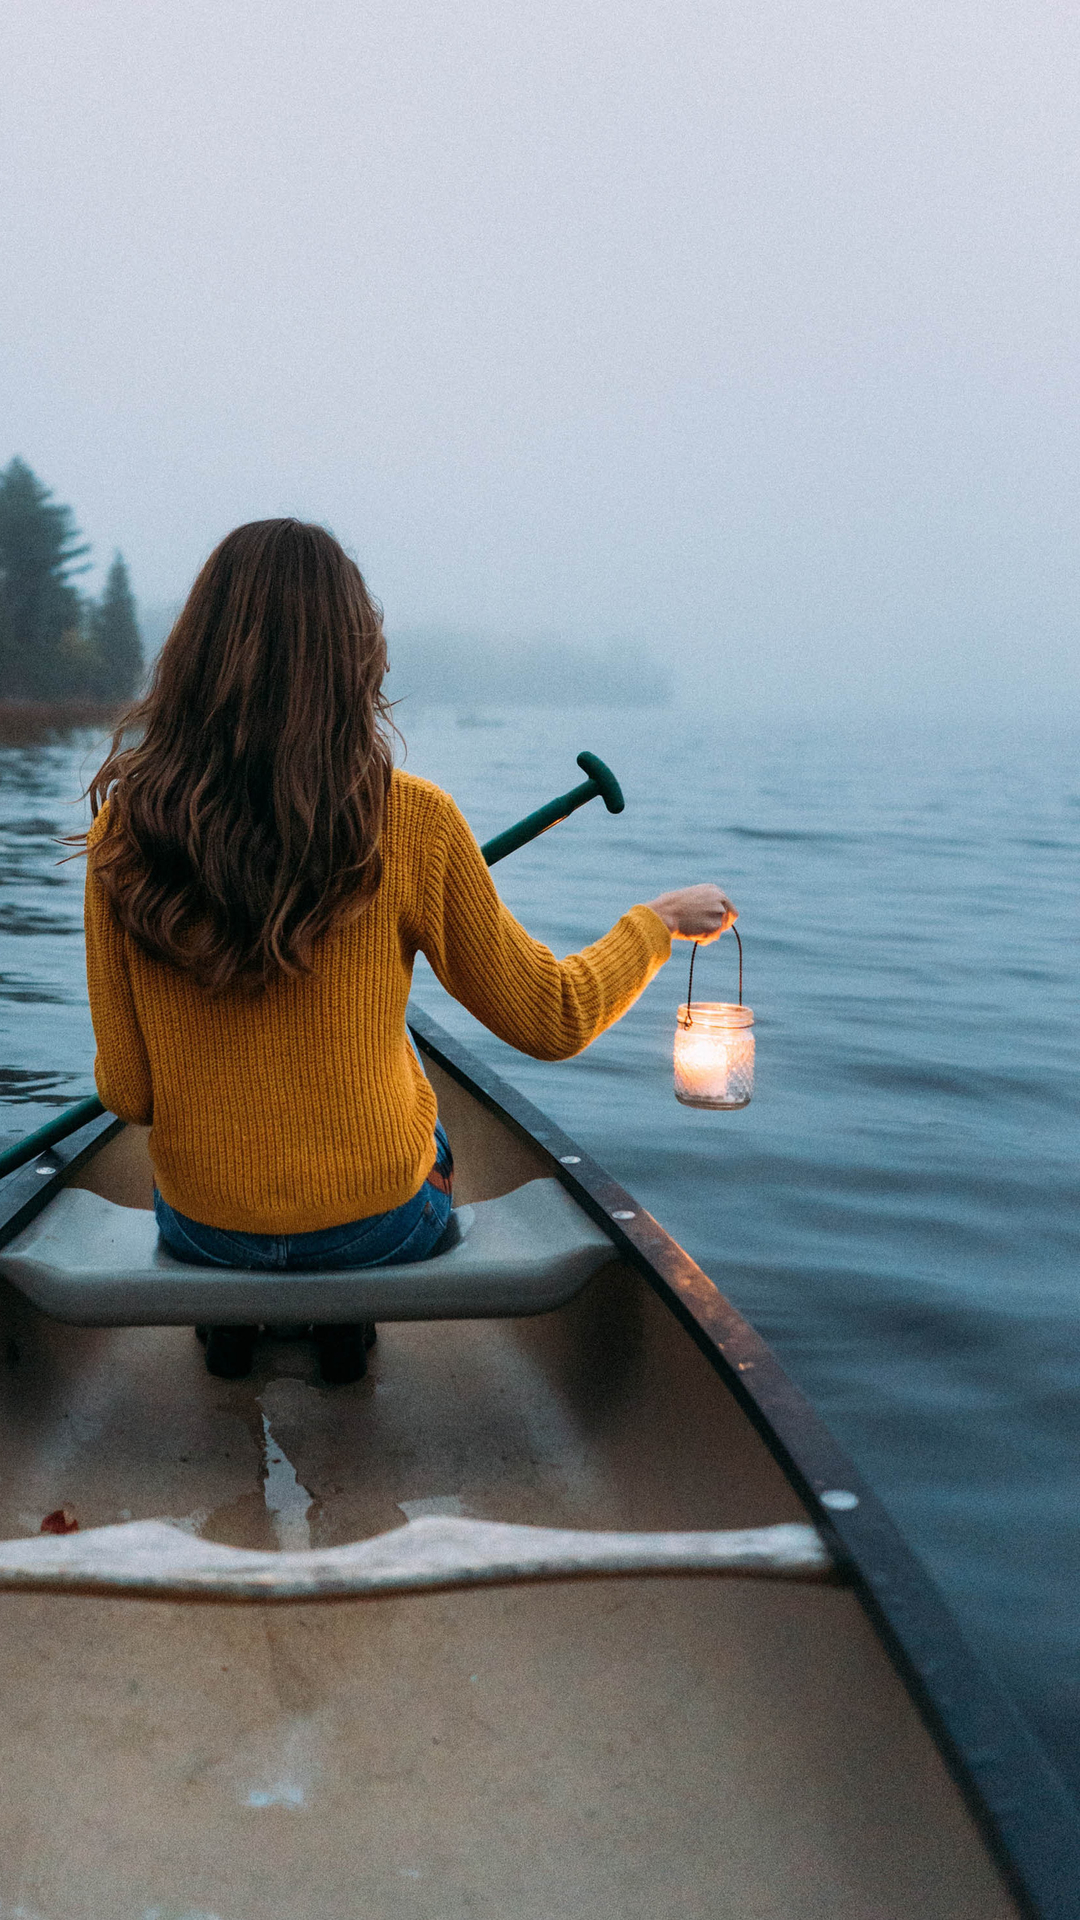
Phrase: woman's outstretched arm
x=543 y=1006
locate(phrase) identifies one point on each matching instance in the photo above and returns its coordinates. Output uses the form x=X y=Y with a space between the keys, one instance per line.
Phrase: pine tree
x=42 y=653
x=114 y=637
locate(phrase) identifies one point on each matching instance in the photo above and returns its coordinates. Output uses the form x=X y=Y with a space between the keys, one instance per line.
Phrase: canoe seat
x=89 y=1262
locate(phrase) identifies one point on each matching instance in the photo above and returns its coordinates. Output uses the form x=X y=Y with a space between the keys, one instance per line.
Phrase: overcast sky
x=746 y=329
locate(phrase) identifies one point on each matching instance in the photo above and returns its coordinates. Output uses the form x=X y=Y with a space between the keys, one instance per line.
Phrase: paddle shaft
x=599 y=781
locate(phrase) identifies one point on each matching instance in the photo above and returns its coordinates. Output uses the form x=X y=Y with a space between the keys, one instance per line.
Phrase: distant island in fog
x=429 y=667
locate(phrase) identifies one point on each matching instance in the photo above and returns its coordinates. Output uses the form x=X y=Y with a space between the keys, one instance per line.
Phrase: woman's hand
x=695 y=913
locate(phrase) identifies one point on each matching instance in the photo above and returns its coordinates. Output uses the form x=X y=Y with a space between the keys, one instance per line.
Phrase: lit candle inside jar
x=714 y=1055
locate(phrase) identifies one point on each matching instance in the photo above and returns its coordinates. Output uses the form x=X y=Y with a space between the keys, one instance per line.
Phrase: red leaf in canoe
x=60 y=1520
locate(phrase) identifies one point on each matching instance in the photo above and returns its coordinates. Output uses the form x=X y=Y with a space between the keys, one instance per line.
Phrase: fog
x=743 y=334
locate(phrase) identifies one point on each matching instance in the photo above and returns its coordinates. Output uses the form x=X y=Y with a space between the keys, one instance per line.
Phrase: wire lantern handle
x=689 y=1021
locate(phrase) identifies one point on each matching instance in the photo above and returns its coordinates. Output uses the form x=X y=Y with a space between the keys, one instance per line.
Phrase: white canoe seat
x=94 y=1264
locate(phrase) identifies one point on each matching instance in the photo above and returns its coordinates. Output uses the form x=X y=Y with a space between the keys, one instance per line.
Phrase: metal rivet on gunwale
x=569 y=1159
x=624 y=1216
x=839 y=1499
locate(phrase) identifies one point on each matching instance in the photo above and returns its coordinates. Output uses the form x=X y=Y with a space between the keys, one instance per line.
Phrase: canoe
x=564 y=1609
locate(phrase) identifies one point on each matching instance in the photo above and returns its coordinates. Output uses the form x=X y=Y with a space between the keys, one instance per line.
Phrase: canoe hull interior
x=623 y=1748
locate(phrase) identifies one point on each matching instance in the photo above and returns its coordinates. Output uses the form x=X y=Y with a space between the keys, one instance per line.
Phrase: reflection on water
x=897 y=1209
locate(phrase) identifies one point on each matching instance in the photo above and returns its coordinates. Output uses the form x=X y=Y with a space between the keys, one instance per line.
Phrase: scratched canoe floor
x=897 y=1208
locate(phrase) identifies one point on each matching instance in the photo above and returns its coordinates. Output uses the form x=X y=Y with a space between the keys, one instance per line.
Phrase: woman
x=259 y=883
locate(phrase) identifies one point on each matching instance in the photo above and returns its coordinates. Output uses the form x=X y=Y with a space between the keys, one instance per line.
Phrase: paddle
x=599 y=781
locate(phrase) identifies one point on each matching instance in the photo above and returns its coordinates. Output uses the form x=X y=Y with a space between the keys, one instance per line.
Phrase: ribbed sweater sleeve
x=122 y=1067
x=545 y=1007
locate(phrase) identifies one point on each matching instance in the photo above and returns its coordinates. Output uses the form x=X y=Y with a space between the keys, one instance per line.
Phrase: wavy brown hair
x=244 y=820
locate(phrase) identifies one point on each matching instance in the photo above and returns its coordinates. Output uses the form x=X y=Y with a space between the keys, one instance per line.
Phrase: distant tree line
x=57 y=644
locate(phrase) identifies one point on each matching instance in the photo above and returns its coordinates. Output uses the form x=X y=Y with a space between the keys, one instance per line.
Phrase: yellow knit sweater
x=306 y=1107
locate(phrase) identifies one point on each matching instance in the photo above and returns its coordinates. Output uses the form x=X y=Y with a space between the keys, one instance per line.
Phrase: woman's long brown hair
x=244 y=821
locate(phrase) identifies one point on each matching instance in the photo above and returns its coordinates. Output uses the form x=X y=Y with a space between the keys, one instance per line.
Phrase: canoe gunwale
x=26 y=1192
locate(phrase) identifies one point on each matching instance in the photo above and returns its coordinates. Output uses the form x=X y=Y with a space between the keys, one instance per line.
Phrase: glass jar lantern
x=714 y=1048
x=714 y=1055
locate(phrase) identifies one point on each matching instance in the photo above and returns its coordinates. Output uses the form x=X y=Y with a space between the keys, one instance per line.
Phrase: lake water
x=897 y=1209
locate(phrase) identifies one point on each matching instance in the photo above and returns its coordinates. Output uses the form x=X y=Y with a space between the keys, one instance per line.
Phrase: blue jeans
x=411 y=1232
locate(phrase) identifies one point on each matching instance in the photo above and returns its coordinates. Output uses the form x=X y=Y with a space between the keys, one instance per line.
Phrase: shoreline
x=34 y=723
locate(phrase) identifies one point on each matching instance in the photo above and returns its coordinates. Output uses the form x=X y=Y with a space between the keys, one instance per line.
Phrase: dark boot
x=342 y=1351
x=230 y=1351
